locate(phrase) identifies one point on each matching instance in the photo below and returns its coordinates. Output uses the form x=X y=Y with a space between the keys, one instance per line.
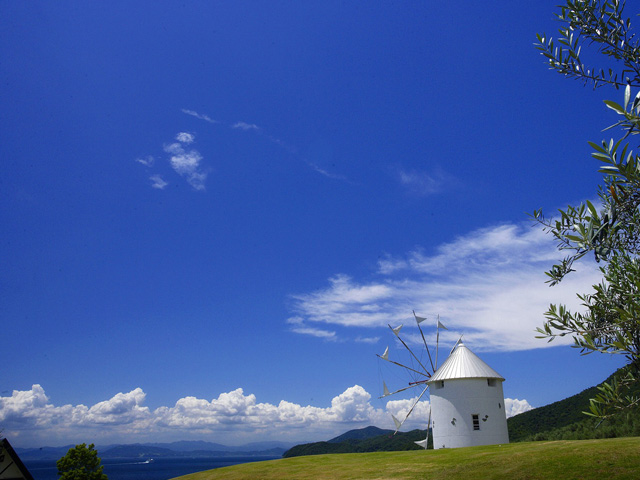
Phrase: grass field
x=616 y=458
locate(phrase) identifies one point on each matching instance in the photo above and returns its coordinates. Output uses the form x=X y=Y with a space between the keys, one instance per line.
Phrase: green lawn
x=616 y=458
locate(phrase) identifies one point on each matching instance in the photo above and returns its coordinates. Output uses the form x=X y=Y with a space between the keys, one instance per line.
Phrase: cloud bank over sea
x=30 y=419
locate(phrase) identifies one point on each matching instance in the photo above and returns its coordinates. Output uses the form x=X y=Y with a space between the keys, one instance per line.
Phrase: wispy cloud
x=200 y=116
x=298 y=326
x=252 y=127
x=245 y=126
x=488 y=285
x=371 y=340
x=31 y=418
x=324 y=172
x=422 y=183
x=147 y=161
x=157 y=182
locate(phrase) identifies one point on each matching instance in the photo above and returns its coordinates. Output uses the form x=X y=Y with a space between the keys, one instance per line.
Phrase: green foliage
x=81 y=463
x=611 y=319
x=601 y=25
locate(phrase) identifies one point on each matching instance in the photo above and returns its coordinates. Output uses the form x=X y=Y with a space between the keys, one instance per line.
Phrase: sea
x=134 y=469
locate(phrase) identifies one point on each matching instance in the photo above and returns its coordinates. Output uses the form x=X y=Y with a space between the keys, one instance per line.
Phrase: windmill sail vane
x=397 y=422
x=422 y=443
x=401 y=390
x=397 y=329
x=385 y=355
x=419 y=320
x=457 y=343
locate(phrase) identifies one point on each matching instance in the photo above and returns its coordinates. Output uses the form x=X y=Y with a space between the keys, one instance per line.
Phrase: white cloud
x=513 y=406
x=300 y=327
x=421 y=183
x=157 y=182
x=185 y=137
x=488 y=285
x=123 y=408
x=147 y=161
x=315 y=332
x=399 y=409
x=187 y=163
x=371 y=340
x=245 y=126
x=30 y=419
x=323 y=172
x=183 y=162
x=200 y=116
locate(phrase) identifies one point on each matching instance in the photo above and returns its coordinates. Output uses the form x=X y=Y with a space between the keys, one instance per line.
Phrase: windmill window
x=439 y=384
x=491 y=382
x=476 y=421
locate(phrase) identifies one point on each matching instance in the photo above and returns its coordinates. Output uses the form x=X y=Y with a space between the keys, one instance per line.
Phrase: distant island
x=181 y=449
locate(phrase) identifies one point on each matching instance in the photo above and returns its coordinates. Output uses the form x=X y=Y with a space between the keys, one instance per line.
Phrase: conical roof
x=463 y=363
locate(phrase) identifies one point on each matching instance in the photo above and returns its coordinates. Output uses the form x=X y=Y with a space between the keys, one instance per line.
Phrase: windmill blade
x=387 y=393
x=428 y=425
x=411 y=352
x=424 y=340
x=437 y=340
x=423 y=443
x=427 y=374
x=399 y=424
x=385 y=355
x=396 y=330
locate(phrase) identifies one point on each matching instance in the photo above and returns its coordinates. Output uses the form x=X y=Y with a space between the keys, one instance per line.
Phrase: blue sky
x=212 y=210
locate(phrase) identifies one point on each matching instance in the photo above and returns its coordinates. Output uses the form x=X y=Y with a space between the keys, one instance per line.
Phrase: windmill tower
x=467 y=402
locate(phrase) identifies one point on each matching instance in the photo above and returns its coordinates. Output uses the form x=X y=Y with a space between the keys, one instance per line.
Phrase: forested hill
x=564 y=420
x=369 y=439
x=555 y=415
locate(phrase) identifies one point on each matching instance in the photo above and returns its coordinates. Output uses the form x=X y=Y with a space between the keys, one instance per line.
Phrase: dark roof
x=11 y=467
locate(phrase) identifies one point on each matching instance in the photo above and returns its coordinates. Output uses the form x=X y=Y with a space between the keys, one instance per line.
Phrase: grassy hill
x=613 y=459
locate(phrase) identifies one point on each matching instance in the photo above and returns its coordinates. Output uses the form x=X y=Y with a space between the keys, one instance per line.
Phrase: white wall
x=460 y=399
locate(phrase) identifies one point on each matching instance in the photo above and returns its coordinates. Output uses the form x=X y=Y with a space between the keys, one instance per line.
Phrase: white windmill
x=466 y=396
